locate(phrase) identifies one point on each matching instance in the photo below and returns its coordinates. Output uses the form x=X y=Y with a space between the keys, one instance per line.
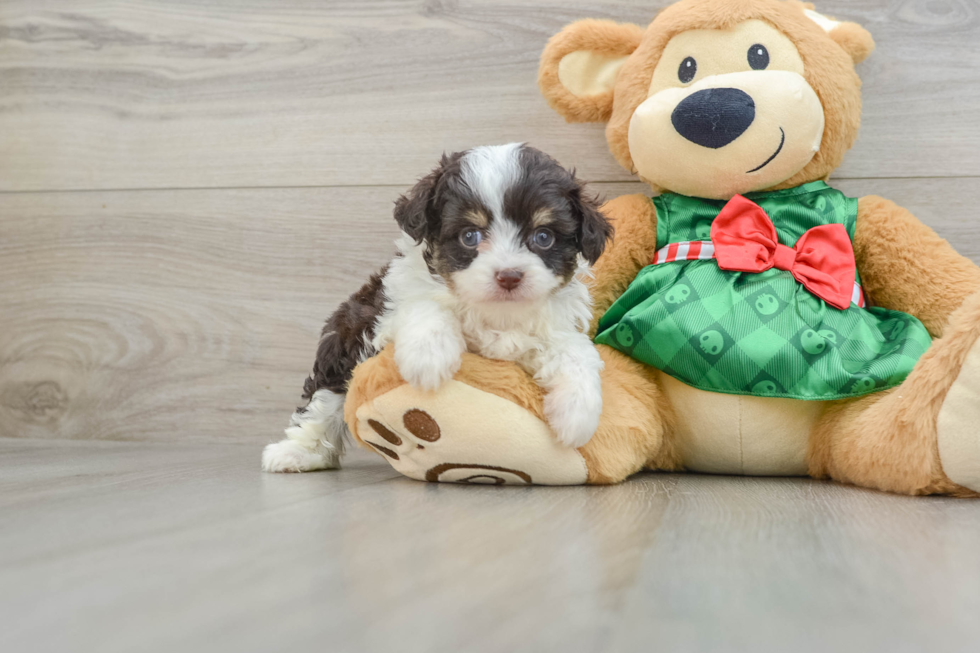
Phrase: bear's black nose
x=714 y=117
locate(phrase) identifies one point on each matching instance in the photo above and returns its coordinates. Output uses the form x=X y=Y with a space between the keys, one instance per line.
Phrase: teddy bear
x=752 y=320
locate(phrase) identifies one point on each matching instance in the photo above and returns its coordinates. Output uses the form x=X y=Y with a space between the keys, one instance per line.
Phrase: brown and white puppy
x=495 y=247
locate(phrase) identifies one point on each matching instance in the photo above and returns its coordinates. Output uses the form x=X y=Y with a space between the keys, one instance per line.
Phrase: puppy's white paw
x=290 y=456
x=428 y=363
x=573 y=415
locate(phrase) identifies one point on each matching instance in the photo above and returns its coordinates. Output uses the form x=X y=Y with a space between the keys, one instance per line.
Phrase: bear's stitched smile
x=770 y=159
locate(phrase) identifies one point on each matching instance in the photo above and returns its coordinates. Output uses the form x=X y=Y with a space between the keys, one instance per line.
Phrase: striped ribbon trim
x=704 y=250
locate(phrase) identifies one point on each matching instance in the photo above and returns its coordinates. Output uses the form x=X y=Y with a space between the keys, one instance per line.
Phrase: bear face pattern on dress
x=759 y=334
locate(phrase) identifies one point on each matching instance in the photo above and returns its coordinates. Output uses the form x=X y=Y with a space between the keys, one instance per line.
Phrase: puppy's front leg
x=429 y=345
x=569 y=371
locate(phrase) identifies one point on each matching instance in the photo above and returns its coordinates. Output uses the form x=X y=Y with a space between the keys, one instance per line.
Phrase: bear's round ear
x=854 y=39
x=579 y=67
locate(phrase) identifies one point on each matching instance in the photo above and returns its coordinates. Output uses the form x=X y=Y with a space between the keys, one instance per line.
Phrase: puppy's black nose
x=509 y=279
x=714 y=117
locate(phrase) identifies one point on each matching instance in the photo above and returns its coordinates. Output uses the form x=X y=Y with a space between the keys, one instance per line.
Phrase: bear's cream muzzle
x=727 y=134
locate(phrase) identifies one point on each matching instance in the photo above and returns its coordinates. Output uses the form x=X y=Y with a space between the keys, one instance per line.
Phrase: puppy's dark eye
x=688 y=69
x=471 y=238
x=543 y=239
x=758 y=57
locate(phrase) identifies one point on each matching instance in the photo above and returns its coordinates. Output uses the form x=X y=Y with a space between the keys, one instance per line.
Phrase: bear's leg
x=487 y=425
x=921 y=437
x=635 y=429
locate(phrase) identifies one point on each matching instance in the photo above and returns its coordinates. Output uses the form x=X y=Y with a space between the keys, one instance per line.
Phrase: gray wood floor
x=112 y=546
x=187 y=189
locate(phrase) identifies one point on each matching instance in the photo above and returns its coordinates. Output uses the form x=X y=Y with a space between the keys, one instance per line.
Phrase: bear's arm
x=905 y=266
x=632 y=248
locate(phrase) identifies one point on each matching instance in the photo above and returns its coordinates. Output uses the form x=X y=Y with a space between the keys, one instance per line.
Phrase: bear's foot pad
x=460 y=434
x=957 y=426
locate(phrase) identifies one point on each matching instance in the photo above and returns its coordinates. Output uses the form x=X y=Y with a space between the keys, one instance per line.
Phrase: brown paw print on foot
x=421 y=426
x=463 y=435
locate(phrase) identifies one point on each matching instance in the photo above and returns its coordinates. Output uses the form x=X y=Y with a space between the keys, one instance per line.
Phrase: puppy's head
x=503 y=224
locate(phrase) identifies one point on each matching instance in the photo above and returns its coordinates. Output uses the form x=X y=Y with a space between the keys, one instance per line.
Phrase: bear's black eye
x=758 y=57
x=689 y=68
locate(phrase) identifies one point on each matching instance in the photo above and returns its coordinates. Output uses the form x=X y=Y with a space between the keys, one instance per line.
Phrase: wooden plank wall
x=187 y=188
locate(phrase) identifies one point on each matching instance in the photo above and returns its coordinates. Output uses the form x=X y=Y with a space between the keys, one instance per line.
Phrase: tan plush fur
x=906 y=267
x=635 y=421
x=887 y=440
x=855 y=41
x=372 y=378
x=378 y=375
x=829 y=70
x=635 y=427
x=632 y=249
x=602 y=37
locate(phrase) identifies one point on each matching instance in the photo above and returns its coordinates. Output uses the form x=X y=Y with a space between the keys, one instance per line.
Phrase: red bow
x=745 y=240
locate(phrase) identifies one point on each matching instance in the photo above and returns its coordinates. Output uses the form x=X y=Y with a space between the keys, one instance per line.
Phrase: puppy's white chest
x=506 y=345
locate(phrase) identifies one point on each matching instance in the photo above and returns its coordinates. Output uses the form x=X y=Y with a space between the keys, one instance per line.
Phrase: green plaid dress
x=758 y=334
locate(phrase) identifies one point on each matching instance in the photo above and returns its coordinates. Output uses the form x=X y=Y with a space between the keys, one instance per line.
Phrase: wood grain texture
x=174 y=315
x=120 y=547
x=136 y=315
x=271 y=139
x=245 y=93
x=194 y=315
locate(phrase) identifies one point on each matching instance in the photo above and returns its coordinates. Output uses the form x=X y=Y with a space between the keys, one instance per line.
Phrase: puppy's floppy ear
x=416 y=211
x=594 y=229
